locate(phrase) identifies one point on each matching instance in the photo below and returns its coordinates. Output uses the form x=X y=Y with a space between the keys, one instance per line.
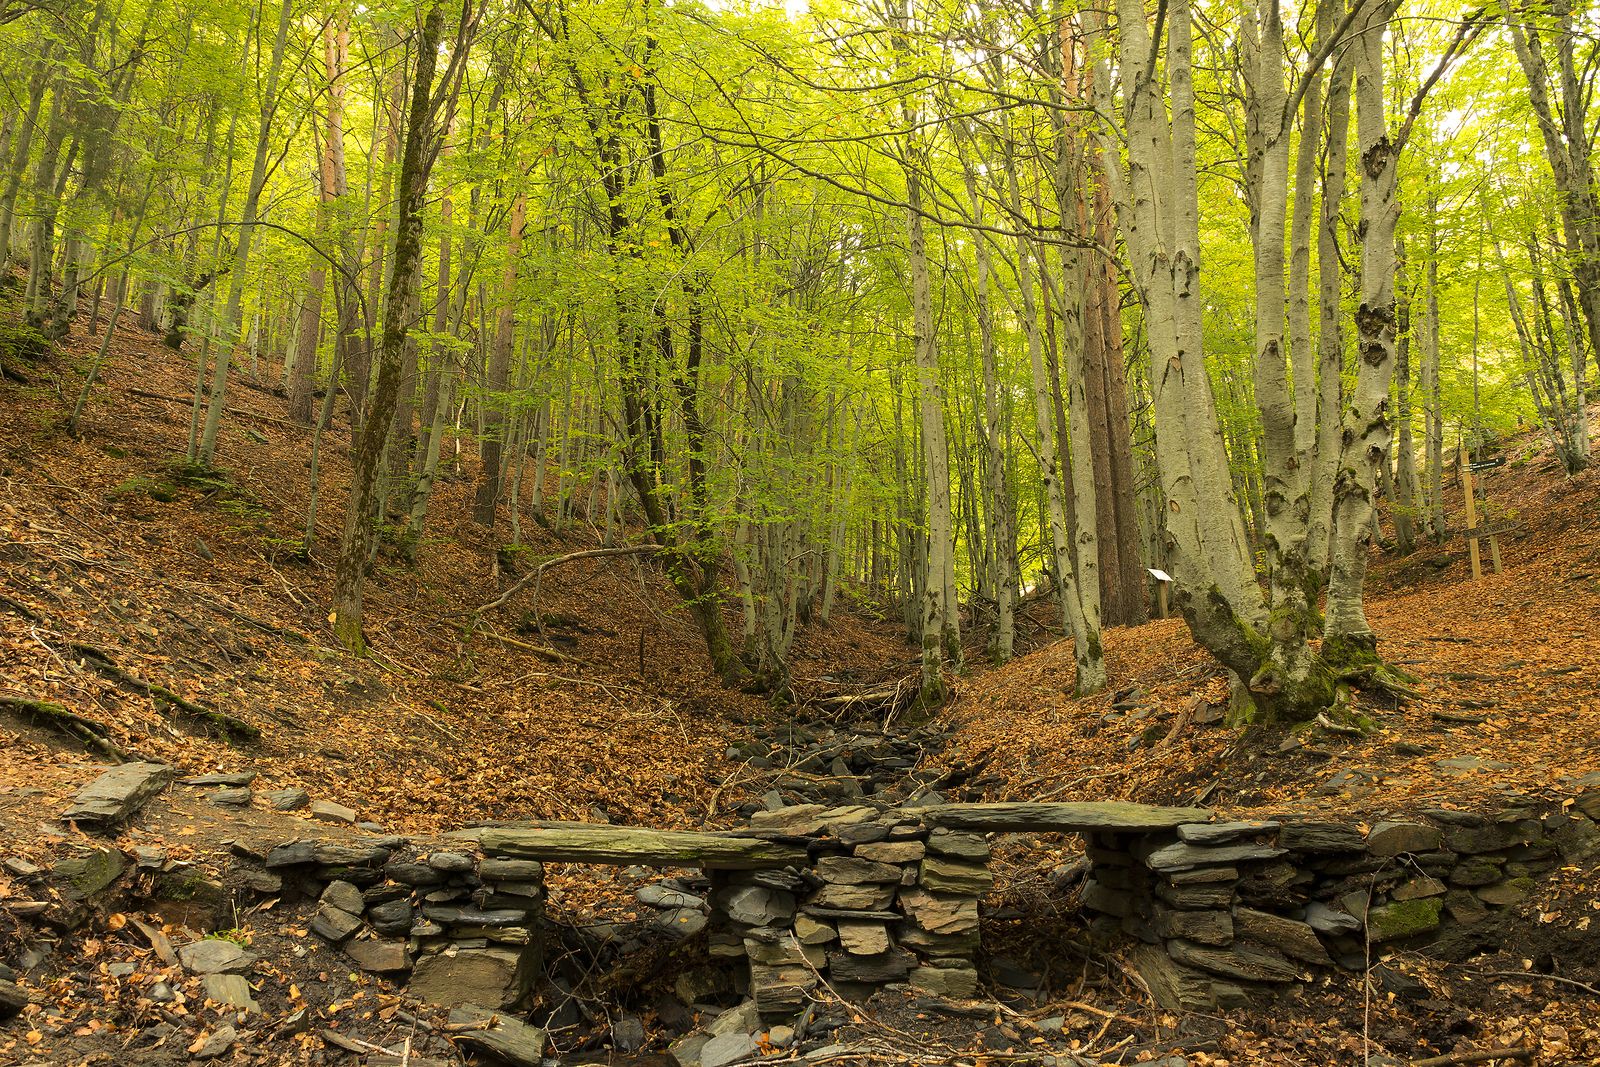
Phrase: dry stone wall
x=1225 y=911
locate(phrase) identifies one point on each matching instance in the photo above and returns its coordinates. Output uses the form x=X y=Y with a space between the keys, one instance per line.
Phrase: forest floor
x=197 y=588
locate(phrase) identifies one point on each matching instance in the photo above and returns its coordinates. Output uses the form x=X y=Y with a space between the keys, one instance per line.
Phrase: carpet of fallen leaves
x=1507 y=668
x=198 y=589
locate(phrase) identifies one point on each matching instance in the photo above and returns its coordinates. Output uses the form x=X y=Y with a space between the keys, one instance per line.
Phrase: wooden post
x=1162 y=579
x=1472 y=513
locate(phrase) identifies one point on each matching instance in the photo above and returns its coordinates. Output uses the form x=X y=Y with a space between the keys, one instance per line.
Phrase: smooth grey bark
x=206 y=448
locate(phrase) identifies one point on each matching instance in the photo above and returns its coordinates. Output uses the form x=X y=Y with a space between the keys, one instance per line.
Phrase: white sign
x=1159 y=575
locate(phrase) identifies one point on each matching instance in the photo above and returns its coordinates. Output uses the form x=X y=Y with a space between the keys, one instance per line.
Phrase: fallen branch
x=570 y=557
x=231 y=411
x=95 y=735
x=1525 y=1052
x=1533 y=977
x=232 y=729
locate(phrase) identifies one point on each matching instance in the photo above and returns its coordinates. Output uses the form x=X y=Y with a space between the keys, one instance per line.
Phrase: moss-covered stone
x=1404 y=918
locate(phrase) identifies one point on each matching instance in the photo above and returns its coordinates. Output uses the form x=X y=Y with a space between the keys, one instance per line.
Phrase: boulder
x=91 y=872
x=1253 y=963
x=471 y=976
x=118 y=793
x=655 y=896
x=379 y=957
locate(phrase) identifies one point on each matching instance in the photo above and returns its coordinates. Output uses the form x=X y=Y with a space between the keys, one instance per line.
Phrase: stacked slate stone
x=884 y=899
x=467 y=927
x=1228 y=910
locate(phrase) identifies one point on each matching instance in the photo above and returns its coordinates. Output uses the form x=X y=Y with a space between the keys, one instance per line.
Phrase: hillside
x=117 y=576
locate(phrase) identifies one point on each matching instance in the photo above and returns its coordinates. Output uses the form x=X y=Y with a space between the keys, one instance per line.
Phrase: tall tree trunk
x=206 y=448
x=360 y=511
x=494 y=401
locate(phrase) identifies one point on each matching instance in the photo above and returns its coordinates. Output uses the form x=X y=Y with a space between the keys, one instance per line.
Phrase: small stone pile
x=1227 y=910
x=883 y=898
x=467 y=928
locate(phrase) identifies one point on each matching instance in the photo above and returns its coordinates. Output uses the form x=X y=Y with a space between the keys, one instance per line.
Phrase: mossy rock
x=1403 y=919
x=90 y=874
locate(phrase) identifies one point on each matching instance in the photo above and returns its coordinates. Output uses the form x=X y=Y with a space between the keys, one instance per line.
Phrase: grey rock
x=959 y=982
x=513 y=1041
x=334 y=924
x=494 y=869
x=215 y=956
x=627 y=1033
x=1219 y=833
x=229 y=989
x=232 y=798
x=1399 y=838
x=12 y=998
x=812 y=931
x=1288 y=936
x=218 y=1044
x=853 y=897
x=1421 y=886
x=1181 y=856
x=863 y=938
x=1206 y=927
x=379 y=957
x=755 y=905
x=965 y=846
x=91 y=872
x=451 y=862
x=892 y=851
x=1250 y=962
x=680 y=923
x=118 y=793
x=939 y=915
x=743 y=1018
x=942 y=875
x=237 y=778
x=413 y=874
x=853 y=870
x=291 y=799
x=328 y=811
x=344 y=896
x=726 y=1049
x=495 y=976
x=891 y=966
x=655 y=896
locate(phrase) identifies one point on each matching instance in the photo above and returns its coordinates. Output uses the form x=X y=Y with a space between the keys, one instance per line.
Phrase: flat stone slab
x=501 y=1035
x=625 y=845
x=119 y=792
x=1109 y=816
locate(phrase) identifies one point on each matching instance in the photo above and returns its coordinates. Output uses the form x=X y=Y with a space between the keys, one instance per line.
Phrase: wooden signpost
x=1473 y=531
x=1162 y=579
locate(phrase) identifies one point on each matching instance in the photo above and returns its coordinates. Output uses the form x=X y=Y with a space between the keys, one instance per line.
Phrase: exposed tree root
x=95 y=735
x=232 y=729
